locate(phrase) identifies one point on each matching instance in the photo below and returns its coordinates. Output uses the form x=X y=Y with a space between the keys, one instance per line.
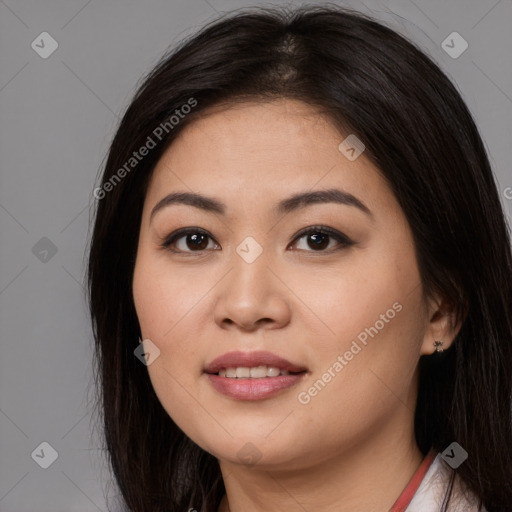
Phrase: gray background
x=57 y=117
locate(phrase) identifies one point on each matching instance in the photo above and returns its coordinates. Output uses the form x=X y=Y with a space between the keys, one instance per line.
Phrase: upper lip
x=251 y=359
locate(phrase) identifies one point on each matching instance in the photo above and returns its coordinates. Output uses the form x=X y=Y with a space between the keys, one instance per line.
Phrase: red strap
x=410 y=490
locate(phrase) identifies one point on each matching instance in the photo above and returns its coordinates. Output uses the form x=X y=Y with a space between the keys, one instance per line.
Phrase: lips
x=251 y=360
x=239 y=383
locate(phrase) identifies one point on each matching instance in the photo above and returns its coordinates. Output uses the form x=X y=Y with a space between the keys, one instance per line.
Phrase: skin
x=303 y=304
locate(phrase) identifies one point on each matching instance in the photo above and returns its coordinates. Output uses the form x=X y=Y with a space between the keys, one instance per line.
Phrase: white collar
x=430 y=494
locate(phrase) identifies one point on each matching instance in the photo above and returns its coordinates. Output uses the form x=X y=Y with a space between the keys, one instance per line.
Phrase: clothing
x=426 y=490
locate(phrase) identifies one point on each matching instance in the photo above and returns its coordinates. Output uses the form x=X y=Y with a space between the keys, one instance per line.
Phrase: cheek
x=168 y=307
x=358 y=386
x=164 y=296
x=376 y=320
x=369 y=287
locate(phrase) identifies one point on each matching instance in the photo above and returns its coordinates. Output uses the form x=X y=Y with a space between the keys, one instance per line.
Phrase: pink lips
x=252 y=389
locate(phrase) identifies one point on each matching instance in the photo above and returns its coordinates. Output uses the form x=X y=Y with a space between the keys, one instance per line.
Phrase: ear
x=441 y=325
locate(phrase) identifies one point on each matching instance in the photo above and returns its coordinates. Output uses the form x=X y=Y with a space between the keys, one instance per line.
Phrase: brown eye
x=187 y=240
x=196 y=241
x=318 y=239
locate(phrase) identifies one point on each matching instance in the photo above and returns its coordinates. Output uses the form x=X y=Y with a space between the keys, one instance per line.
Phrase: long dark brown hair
x=371 y=82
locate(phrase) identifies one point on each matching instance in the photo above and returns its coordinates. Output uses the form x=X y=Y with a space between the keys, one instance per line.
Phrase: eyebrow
x=292 y=203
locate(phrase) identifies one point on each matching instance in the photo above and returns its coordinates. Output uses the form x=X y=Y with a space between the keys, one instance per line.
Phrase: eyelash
x=342 y=239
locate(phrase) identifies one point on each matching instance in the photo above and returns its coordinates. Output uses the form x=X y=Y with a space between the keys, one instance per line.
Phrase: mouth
x=253 y=375
x=256 y=365
x=255 y=372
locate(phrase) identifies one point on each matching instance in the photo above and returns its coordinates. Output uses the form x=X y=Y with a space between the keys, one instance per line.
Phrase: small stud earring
x=439 y=346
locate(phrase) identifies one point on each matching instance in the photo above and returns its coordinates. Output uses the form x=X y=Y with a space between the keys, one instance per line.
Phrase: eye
x=188 y=240
x=318 y=239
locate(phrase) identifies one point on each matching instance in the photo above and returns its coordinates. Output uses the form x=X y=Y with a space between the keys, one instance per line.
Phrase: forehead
x=280 y=129
x=262 y=151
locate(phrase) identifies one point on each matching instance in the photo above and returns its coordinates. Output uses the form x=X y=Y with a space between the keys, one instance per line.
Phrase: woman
x=300 y=279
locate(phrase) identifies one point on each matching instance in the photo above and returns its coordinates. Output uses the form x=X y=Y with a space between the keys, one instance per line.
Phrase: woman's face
x=348 y=311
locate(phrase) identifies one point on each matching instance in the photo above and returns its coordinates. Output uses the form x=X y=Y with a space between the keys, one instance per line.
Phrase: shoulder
x=430 y=494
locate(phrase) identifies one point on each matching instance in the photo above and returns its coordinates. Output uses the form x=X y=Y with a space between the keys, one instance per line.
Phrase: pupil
x=320 y=241
x=194 y=238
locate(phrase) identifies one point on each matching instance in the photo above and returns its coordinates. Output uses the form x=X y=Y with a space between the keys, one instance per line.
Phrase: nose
x=251 y=297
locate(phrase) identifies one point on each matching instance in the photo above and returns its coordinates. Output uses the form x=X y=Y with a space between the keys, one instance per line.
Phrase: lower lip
x=253 y=389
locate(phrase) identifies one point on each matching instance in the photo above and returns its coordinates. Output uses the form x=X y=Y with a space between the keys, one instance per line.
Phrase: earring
x=439 y=346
